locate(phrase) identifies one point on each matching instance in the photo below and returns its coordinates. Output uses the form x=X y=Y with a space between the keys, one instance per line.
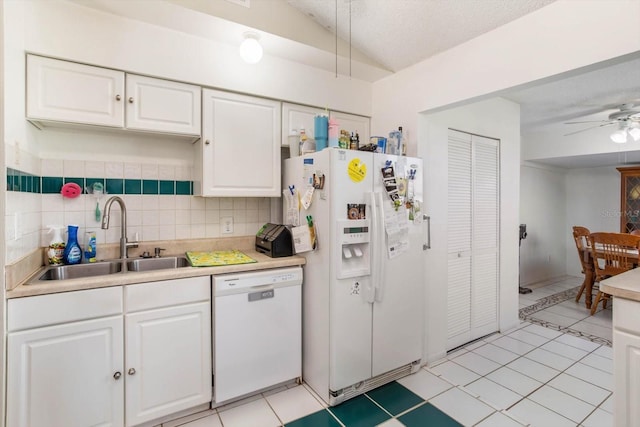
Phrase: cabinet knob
x=131 y=100
x=118 y=97
x=131 y=371
x=207 y=142
x=117 y=375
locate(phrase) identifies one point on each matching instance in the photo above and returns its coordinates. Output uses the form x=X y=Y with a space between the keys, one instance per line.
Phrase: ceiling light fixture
x=250 y=48
x=626 y=130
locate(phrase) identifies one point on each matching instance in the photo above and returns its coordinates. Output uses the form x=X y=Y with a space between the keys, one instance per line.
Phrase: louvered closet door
x=484 y=258
x=459 y=237
x=472 y=237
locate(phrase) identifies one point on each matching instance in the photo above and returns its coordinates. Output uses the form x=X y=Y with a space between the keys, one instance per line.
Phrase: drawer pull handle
x=117 y=375
x=131 y=371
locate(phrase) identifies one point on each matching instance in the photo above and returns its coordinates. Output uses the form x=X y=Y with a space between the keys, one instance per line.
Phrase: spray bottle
x=72 y=252
x=55 y=252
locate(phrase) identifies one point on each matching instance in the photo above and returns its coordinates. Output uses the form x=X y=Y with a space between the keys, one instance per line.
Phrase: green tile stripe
x=27 y=183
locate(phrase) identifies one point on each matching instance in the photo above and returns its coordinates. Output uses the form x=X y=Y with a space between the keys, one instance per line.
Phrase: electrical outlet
x=226 y=225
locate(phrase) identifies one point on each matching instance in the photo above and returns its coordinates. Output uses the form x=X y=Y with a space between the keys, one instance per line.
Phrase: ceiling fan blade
x=588 y=121
x=592 y=127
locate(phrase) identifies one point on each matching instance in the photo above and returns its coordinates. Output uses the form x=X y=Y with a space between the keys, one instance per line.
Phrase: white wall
x=2 y=231
x=536 y=46
x=543 y=207
x=499 y=119
x=593 y=201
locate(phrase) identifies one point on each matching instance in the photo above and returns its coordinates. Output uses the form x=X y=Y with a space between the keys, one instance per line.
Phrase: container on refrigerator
x=362 y=304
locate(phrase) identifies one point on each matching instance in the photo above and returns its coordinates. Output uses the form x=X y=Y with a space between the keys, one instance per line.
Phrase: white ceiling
x=400 y=33
x=389 y=35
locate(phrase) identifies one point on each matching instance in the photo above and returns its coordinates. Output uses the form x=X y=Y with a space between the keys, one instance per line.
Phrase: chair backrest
x=613 y=253
x=581 y=237
x=635 y=232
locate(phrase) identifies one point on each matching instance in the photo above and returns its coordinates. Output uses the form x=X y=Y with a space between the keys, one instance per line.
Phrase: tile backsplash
x=158 y=198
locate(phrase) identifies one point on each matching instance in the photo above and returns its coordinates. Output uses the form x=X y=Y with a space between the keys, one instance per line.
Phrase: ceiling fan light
x=619 y=136
x=634 y=132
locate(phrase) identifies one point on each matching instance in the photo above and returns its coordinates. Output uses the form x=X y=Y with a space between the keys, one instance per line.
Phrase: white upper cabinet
x=240 y=146
x=67 y=92
x=75 y=93
x=162 y=105
x=353 y=123
x=296 y=117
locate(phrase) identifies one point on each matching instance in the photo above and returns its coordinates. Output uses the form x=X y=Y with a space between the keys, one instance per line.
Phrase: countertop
x=624 y=285
x=126 y=278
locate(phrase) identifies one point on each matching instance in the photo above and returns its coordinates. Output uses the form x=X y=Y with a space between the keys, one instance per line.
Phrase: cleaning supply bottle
x=55 y=252
x=72 y=252
x=90 y=247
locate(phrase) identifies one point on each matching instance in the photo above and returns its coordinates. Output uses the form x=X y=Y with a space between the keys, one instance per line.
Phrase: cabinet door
x=66 y=375
x=240 y=146
x=296 y=117
x=162 y=105
x=69 y=92
x=168 y=361
x=353 y=123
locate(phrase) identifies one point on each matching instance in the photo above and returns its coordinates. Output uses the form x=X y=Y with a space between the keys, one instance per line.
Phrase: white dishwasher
x=257 y=330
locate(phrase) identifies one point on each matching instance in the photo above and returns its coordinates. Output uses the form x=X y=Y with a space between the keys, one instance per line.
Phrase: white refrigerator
x=363 y=289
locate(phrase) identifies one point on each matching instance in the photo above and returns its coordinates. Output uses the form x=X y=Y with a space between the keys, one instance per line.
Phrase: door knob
x=118 y=97
x=131 y=371
x=117 y=375
x=131 y=100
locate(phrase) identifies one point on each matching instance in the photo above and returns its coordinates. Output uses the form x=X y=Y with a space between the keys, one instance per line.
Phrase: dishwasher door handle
x=265 y=292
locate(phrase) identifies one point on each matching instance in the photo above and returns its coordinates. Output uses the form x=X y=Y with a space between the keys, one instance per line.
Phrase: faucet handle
x=157 y=251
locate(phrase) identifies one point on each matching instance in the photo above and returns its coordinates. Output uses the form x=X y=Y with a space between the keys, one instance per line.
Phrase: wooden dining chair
x=581 y=237
x=612 y=253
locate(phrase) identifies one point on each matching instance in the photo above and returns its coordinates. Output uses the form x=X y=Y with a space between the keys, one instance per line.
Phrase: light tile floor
x=531 y=376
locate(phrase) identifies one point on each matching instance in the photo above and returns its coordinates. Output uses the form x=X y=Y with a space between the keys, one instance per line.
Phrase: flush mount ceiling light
x=250 y=48
x=626 y=130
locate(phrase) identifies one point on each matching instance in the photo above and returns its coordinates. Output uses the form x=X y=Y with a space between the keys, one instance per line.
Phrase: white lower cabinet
x=66 y=375
x=168 y=354
x=79 y=359
x=626 y=362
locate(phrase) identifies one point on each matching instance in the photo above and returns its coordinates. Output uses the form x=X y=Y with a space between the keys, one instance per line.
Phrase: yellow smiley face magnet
x=357 y=170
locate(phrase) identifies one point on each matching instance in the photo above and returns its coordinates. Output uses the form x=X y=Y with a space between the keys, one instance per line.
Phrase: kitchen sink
x=163 y=263
x=77 y=271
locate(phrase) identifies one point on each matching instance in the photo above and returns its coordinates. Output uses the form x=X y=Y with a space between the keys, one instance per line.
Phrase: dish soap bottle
x=90 y=248
x=55 y=252
x=72 y=252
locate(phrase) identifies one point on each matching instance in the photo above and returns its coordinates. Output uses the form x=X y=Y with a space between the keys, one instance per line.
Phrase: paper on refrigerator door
x=397 y=230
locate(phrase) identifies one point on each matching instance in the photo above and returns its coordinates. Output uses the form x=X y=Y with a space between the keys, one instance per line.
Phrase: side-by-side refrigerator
x=363 y=315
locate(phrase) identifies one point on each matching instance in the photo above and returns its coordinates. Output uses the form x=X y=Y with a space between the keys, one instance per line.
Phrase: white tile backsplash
x=74 y=168
x=114 y=170
x=154 y=217
x=132 y=171
x=150 y=171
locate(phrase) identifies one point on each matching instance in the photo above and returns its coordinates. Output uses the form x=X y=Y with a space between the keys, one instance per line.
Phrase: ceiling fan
x=627 y=119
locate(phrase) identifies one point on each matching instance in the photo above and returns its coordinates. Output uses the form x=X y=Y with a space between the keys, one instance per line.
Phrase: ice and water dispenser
x=353 y=246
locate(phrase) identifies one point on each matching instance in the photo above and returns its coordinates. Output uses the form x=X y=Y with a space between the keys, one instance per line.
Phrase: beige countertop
x=625 y=285
x=30 y=287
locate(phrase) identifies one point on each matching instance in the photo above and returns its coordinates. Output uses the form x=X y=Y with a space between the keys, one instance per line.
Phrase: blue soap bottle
x=72 y=252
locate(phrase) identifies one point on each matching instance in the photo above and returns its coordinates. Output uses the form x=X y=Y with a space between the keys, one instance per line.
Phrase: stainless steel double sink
x=102 y=268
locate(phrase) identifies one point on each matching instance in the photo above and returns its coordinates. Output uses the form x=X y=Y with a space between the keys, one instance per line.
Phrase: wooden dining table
x=589 y=274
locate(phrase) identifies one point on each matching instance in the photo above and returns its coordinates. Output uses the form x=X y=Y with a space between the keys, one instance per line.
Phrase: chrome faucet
x=124 y=244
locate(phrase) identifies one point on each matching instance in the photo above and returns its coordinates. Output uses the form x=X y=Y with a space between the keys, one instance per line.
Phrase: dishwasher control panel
x=240 y=282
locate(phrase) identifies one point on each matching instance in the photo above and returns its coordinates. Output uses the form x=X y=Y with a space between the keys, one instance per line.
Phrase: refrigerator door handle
x=427 y=245
x=380 y=249
x=370 y=297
